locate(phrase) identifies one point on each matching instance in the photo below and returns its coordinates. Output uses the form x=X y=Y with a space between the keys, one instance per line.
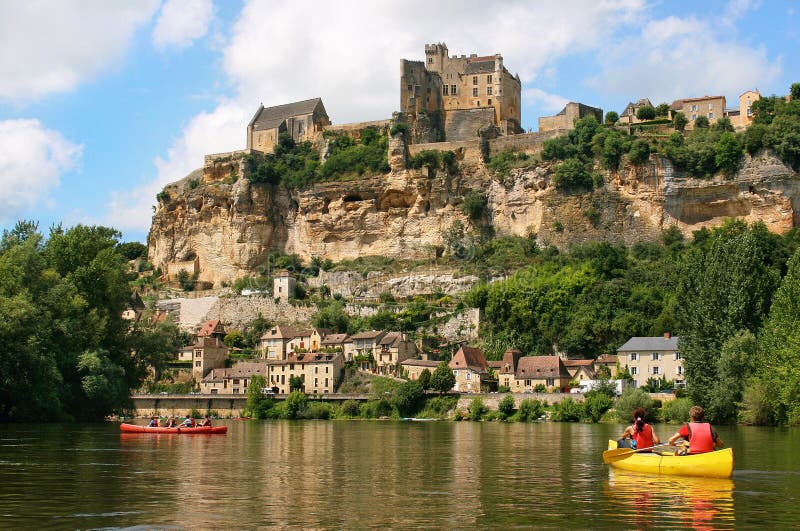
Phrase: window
x=634 y=371
x=710 y=106
x=490 y=102
x=488 y=91
x=477 y=103
x=634 y=356
x=489 y=78
x=236 y=381
x=527 y=383
x=444 y=89
x=694 y=107
x=213 y=391
x=468 y=375
x=316 y=370
x=453 y=90
x=656 y=356
x=474 y=80
x=749 y=111
x=711 y=116
x=430 y=60
x=656 y=370
x=410 y=88
x=694 y=117
x=198 y=364
x=678 y=356
x=679 y=370
x=474 y=92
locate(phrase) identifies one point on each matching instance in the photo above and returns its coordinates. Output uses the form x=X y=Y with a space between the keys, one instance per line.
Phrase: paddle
x=618 y=454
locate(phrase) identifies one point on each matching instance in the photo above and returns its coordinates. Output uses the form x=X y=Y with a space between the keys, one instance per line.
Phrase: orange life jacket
x=701 y=437
x=644 y=438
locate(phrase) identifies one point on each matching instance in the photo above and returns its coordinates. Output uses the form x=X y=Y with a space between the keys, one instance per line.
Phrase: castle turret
x=435 y=54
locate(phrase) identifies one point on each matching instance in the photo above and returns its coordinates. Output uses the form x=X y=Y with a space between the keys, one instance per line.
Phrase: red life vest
x=644 y=438
x=701 y=437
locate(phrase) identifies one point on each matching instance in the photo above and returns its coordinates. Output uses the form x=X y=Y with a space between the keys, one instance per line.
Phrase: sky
x=104 y=103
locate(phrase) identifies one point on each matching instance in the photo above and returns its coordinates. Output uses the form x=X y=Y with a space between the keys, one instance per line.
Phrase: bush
x=530 y=410
x=679 y=121
x=645 y=112
x=572 y=174
x=351 y=408
x=295 y=404
x=408 y=397
x=374 y=409
x=639 y=152
x=596 y=405
x=506 y=405
x=701 y=122
x=316 y=410
x=677 y=410
x=474 y=204
x=630 y=400
x=476 y=409
x=662 y=109
x=438 y=407
x=568 y=410
x=612 y=117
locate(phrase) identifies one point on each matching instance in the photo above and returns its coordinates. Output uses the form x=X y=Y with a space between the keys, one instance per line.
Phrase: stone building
x=742 y=116
x=628 y=116
x=525 y=373
x=301 y=119
x=451 y=98
x=653 y=357
x=566 y=118
x=283 y=285
x=471 y=370
x=712 y=107
x=208 y=353
x=320 y=372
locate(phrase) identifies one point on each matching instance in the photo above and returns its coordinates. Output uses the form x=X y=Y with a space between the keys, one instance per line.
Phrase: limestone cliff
x=229 y=226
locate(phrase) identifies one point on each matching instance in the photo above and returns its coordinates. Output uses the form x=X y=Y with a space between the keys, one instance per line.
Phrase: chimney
x=666 y=335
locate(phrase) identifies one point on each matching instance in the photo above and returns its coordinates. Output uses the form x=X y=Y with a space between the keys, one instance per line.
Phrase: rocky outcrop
x=231 y=225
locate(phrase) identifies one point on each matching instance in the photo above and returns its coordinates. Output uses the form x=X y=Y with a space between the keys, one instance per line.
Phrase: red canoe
x=135 y=428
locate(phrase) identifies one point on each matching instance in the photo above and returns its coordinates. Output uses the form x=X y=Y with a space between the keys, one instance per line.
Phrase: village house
x=232 y=380
x=742 y=116
x=283 y=285
x=273 y=344
x=609 y=361
x=628 y=116
x=580 y=370
x=208 y=353
x=392 y=349
x=364 y=345
x=712 y=107
x=470 y=369
x=307 y=340
x=320 y=372
x=213 y=329
x=653 y=357
x=134 y=307
x=301 y=120
x=525 y=373
x=565 y=119
x=336 y=343
x=412 y=368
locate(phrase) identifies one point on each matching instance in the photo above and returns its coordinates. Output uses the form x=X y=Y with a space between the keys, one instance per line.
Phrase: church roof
x=272 y=117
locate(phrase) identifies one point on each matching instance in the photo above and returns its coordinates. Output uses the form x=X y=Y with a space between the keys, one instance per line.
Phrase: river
x=368 y=474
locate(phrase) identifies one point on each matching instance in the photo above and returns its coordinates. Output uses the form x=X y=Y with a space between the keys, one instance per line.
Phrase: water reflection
x=649 y=501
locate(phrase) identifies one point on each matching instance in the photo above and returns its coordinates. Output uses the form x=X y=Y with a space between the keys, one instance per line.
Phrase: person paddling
x=701 y=436
x=640 y=433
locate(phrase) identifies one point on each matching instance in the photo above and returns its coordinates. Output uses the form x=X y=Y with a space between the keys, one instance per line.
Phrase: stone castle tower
x=451 y=98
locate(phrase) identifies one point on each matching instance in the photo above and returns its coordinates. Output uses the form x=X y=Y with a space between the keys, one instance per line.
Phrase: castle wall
x=463 y=124
x=527 y=142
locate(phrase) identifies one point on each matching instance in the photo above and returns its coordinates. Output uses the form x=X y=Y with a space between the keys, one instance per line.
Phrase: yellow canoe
x=718 y=464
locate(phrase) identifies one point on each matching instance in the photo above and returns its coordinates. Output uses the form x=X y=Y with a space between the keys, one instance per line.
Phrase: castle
x=442 y=99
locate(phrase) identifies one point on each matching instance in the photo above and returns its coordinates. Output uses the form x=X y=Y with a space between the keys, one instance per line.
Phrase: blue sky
x=103 y=103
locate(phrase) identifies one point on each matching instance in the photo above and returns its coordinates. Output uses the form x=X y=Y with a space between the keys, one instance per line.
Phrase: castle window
x=444 y=89
x=474 y=92
x=488 y=91
x=453 y=90
x=489 y=78
x=474 y=80
x=489 y=103
x=478 y=103
x=430 y=60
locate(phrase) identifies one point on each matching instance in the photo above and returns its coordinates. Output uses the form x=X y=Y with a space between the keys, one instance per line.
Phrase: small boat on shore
x=197 y=430
x=718 y=464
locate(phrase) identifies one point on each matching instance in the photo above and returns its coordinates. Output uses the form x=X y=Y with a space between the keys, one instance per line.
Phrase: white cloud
x=545 y=100
x=32 y=160
x=352 y=60
x=678 y=58
x=181 y=22
x=223 y=129
x=736 y=9
x=51 y=47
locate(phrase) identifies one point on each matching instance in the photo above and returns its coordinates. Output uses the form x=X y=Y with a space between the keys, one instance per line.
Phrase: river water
x=374 y=474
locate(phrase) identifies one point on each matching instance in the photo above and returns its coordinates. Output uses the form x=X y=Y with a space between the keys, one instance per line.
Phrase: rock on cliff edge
x=229 y=226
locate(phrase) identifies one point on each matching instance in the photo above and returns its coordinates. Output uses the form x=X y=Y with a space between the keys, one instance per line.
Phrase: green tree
x=679 y=121
x=408 y=397
x=794 y=91
x=572 y=174
x=258 y=404
x=296 y=384
x=568 y=410
x=645 y=112
x=662 y=110
x=506 y=405
x=474 y=204
x=728 y=153
x=154 y=346
x=736 y=365
x=530 y=410
x=611 y=117
x=639 y=152
x=295 y=405
x=722 y=290
x=476 y=409
x=701 y=122
x=631 y=399
x=777 y=389
x=425 y=379
x=443 y=379
x=234 y=339
x=596 y=404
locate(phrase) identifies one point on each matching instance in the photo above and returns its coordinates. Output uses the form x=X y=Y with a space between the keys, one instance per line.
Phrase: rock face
x=230 y=226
